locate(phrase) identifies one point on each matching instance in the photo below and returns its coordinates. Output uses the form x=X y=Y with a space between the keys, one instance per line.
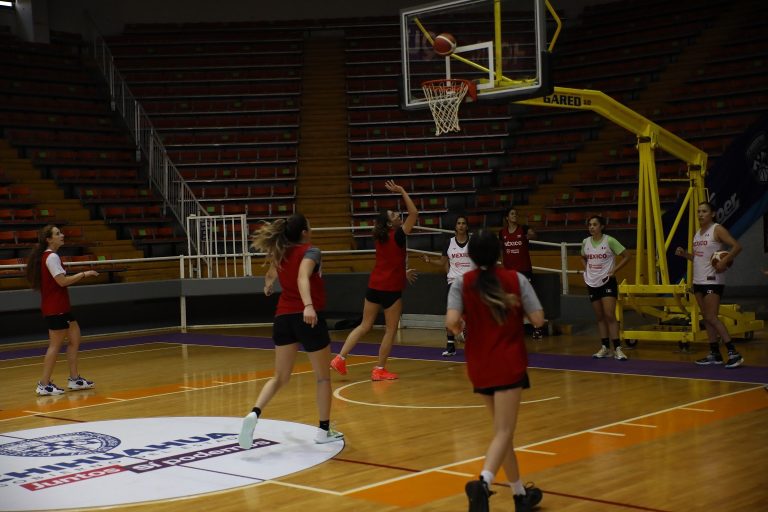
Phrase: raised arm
x=413 y=213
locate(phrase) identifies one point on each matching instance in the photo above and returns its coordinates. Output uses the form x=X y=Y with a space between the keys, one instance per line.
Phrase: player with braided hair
x=490 y=303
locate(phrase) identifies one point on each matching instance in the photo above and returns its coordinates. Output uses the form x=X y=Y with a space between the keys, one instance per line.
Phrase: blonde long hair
x=274 y=238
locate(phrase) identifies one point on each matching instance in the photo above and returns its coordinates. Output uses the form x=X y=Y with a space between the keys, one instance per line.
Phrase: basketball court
x=652 y=433
x=159 y=432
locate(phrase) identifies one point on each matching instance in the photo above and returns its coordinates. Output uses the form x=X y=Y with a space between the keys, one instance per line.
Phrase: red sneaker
x=382 y=374
x=340 y=365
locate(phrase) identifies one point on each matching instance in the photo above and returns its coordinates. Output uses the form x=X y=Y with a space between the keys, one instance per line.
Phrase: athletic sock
x=714 y=348
x=487 y=477
x=606 y=342
x=517 y=487
x=730 y=346
x=257 y=411
x=325 y=425
x=451 y=338
x=617 y=343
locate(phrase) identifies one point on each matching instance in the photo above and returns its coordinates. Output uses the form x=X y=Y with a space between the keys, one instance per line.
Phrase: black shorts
x=289 y=329
x=706 y=289
x=524 y=383
x=385 y=299
x=59 y=322
x=609 y=289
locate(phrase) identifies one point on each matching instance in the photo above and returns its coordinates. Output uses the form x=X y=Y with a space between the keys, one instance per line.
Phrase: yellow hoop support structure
x=653 y=295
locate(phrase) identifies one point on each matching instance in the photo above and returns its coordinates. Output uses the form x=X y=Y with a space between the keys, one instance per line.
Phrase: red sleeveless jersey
x=389 y=272
x=495 y=354
x=288 y=274
x=515 y=253
x=55 y=298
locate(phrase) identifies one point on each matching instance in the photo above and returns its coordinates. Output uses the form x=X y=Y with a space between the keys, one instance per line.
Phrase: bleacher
x=226 y=99
x=61 y=138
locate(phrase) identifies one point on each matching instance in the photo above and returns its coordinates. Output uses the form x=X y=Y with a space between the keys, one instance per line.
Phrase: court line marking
x=443 y=467
x=643 y=425
x=616 y=434
x=304 y=487
x=454 y=473
x=537 y=443
x=337 y=394
x=695 y=379
x=694 y=409
x=606 y=502
x=80 y=357
x=74 y=408
x=540 y=452
x=548 y=491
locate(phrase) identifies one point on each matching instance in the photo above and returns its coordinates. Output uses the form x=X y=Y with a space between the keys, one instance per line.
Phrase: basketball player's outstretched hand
x=679 y=251
x=393 y=187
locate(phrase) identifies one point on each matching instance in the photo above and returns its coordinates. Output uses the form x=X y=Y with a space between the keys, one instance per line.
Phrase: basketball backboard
x=501 y=46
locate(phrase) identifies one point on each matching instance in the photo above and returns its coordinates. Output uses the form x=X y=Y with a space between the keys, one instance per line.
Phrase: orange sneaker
x=339 y=364
x=382 y=374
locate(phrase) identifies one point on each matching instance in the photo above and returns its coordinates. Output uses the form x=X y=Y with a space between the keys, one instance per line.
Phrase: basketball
x=717 y=256
x=444 y=44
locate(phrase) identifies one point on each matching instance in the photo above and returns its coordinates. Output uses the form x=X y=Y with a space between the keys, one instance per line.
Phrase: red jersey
x=55 y=298
x=389 y=272
x=495 y=354
x=288 y=275
x=515 y=253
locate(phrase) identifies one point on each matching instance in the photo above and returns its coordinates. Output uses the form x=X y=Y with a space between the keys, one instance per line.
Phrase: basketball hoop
x=444 y=96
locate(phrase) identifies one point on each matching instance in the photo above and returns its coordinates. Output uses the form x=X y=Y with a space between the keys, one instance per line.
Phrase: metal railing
x=222 y=242
x=163 y=175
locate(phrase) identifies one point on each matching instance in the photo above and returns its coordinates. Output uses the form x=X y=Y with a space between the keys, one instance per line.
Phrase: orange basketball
x=444 y=44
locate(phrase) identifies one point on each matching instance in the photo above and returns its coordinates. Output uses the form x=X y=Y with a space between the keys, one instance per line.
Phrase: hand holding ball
x=717 y=257
x=444 y=44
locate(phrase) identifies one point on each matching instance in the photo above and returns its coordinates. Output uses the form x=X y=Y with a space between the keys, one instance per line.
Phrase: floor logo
x=129 y=461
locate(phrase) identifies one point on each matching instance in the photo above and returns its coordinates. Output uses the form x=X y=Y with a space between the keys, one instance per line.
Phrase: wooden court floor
x=593 y=436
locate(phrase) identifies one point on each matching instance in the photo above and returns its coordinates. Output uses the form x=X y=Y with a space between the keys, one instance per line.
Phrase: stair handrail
x=163 y=174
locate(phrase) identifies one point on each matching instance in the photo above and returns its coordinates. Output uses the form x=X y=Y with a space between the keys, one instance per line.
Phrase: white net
x=444 y=98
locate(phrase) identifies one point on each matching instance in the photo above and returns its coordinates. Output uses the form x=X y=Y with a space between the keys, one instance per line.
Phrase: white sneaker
x=79 y=383
x=328 y=436
x=602 y=353
x=245 y=440
x=619 y=354
x=49 y=389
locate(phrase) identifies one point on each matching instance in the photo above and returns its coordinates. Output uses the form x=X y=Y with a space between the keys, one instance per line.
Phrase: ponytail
x=484 y=250
x=274 y=238
x=36 y=255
